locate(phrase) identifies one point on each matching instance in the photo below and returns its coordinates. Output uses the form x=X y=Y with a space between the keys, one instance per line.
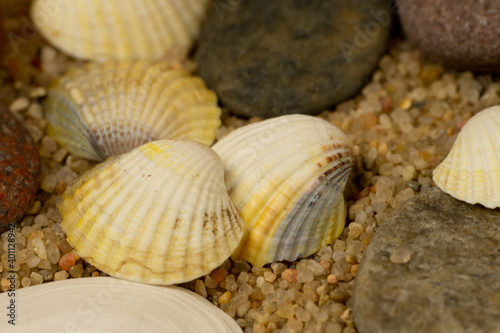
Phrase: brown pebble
x=386 y=104
x=219 y=275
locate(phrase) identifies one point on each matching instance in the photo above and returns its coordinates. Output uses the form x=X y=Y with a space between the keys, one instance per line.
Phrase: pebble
x=268 y=58
x=462 y=37
x=430 y=284
x=67 y=261
x=76 y=271
x=36 y=278
x=61 y=275
x=219 y=275
x=289 y=275
x=19 y=169
x=19 y=104
x=200 y=288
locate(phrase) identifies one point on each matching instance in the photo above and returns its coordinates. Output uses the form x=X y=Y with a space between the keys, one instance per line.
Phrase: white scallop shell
x=286 y=177
x=471 y=171
x=102 y=110
x=120 y=30
x=105 y=305
x=159 y=214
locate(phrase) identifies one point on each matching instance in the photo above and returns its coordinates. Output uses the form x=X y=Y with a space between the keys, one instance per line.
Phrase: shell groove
x=102 y=110
x=120 y=30
x=471 y=171
x=286 y=177
x=159 y=214
x=121 y=307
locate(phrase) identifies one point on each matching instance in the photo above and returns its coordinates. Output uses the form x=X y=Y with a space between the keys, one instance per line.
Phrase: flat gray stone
x=450 y=284
x=269 y=58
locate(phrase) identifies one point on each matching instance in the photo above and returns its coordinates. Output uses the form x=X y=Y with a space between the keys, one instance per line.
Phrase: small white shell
x=159 y=214
x=105 y=305
x=120 y=30
x=286 y=177
x=103 y=110
x=471 y=171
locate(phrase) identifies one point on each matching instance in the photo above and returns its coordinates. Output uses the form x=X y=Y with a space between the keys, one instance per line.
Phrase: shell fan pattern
x=159 y=214
x=104 y=30
x=286 y=177
x=102 y=110
x=124 y=307
x=471 y=171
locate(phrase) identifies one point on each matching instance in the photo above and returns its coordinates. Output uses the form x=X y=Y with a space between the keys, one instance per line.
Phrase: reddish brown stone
x=19 y=169
x=462 y=35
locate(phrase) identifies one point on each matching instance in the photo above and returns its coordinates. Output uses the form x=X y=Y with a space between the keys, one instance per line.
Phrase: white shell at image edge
x=105 y=304
x=471 y=171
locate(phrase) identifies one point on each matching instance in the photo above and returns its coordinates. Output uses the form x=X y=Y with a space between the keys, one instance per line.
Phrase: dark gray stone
x=269 y=58
x=462 y=35
x=452 y=281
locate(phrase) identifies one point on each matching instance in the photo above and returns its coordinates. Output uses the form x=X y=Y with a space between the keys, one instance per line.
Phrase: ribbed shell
x=286 y=177
x=102 y=110
x=471 y=171
x=109 y=305
x=159 y=214
x=120 y=30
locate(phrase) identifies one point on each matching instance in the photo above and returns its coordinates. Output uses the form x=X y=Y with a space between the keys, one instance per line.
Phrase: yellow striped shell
x=159 y=214
x=102 y=110
x=471 y=171
x=120 y=30
x=109 y=305
x=286 y=177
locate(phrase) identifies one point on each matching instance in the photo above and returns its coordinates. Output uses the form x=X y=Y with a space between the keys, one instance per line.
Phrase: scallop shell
x=471 y=171
x=102 y=110
x=105 y=305
x=286 y=177
x=159 y=214
x=120 y=30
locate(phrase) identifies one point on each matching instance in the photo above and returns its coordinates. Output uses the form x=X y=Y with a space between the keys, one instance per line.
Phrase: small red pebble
x=19 y=169
x=290 y=275
x=67 y=261
x=386 y=104
x=219 y=275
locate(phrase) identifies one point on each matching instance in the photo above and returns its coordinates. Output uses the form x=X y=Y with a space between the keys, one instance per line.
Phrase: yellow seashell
x=105 y=30
x=159 y=214
x=102 y=110
x=286 y=177
x=471 y=171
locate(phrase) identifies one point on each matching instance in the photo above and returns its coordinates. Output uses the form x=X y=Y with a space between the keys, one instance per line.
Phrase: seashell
x=105 y=30
x=286 y=178
x=471 y=171
x=159 y=214
x=102 y=110
x=105 y=304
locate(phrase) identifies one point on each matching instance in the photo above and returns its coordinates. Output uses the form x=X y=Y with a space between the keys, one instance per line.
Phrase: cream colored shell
x=120 y=30
x=286 y=177
x=471 y=171
x=102 y=110
x=159 y=214
x=109 y=305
